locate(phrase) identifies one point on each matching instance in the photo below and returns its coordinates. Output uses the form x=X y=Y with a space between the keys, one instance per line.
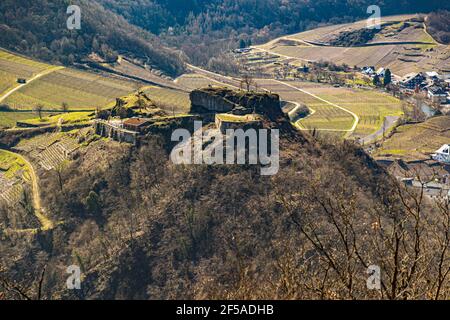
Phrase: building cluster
x=424 y=176
x=434 y=85
x=371 y=71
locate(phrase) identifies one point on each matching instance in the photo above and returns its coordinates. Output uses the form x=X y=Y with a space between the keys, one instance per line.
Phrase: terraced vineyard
x=13 y=67
x=370 y=106
x=13 y=174
x=49 y=150
x=323 y=115
x=167 y=99
x=417 y=141
x=11 y=193
x=402 y=45
x=80 y=90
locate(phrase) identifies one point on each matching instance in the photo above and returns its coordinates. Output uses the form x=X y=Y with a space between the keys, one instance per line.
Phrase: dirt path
x=46 y=223
x=40 y=74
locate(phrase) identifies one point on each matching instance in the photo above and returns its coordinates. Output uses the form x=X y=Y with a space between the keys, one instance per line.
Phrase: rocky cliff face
x=238 y=102
x=210 y=100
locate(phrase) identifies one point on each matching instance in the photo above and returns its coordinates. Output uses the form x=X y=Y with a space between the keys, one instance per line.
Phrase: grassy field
x=80 y=90
x=8 y=119
x=66 y=118
x=417 y=141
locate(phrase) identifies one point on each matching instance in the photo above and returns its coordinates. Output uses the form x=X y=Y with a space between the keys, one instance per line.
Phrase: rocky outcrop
x=224 y=100
x=210 y=100
x=134 y=105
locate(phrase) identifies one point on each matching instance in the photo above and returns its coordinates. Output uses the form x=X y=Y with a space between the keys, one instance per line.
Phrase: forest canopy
x=39 y=29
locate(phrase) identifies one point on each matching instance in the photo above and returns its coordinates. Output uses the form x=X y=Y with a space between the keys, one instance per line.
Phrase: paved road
x=389 y=122
x=43 y=73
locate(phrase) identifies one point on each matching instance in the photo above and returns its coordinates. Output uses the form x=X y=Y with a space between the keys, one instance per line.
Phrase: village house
x=432 y=76
x=436 y=94
x=370 y=70
x=381 y=72
x=413 y=80
x=304 y=69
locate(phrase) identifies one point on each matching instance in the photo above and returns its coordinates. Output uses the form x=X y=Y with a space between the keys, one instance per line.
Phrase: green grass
x=8 y=119
x=7 y=81
x=395 y=151
x=66 y=118
x=11 y=165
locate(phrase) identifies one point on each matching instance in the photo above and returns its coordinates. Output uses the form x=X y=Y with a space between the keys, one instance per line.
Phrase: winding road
x=354 y=115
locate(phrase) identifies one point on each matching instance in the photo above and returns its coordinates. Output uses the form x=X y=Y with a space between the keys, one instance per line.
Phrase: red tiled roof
x=136 y=122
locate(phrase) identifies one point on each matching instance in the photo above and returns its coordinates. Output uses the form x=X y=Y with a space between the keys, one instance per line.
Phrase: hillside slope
x=141 y=227
x=402 y=45
x=207 y=28
x=438 y=24
x=39 y=29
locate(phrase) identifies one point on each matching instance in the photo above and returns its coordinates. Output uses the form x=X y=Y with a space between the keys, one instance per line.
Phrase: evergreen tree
x=387 y=77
